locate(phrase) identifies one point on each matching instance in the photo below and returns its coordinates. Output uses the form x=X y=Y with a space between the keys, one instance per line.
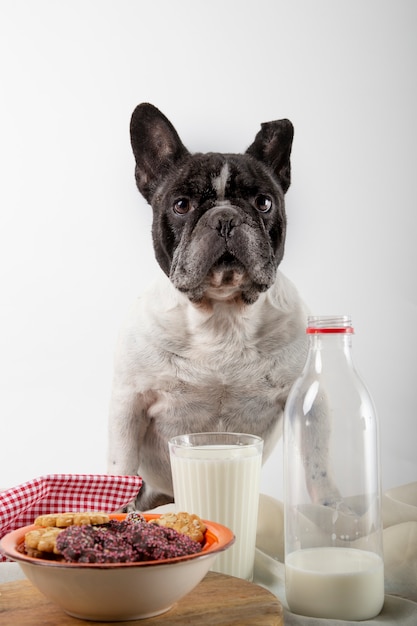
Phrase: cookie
x=41 y=540
x=185 y=523
x=63 y=520
x=123 y=542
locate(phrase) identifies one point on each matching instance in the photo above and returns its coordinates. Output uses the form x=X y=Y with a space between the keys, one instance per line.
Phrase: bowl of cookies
x=116 y=567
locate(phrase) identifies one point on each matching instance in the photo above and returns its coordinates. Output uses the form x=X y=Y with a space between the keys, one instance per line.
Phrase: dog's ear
x=272 y=146
x=156 y=146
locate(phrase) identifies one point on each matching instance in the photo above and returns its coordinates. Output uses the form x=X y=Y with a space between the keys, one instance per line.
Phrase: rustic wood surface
x=217 y=600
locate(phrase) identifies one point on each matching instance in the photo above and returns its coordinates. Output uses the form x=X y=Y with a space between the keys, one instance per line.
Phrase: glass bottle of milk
x=333 y=529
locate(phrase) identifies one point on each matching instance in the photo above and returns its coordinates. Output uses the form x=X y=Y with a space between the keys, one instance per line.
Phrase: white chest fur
x=180 y=368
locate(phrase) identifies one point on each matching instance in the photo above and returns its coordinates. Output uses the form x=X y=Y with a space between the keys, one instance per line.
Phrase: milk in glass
x=220 y=482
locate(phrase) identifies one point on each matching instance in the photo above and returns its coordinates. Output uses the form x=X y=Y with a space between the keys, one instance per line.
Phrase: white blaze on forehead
x=219 y=182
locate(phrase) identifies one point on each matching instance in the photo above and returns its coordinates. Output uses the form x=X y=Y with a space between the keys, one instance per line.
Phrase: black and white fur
x=217 y=342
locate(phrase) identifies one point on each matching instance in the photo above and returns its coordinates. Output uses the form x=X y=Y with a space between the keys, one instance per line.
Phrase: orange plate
x=217 y=539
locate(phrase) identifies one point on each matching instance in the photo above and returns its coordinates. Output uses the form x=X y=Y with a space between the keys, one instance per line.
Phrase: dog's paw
x=129 y=508
x=148 y=499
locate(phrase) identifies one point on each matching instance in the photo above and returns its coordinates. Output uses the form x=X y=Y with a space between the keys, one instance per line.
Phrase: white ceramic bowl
x=118 y=591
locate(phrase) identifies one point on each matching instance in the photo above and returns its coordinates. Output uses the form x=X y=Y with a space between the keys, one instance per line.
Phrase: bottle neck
x=330 y=335
x=329 y=325
x=341 y=343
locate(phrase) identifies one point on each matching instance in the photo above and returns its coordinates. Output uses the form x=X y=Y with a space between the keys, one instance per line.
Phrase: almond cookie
x=41 y=540
x=185 y=523
x=63 y=520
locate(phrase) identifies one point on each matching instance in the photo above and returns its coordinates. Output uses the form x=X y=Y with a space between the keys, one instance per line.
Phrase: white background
x=75 y=240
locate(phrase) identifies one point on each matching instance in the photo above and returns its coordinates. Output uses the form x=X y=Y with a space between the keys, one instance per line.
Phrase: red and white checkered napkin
x=57 y=493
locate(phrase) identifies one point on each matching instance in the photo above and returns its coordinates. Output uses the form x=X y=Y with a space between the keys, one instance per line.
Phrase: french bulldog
x=217 y=342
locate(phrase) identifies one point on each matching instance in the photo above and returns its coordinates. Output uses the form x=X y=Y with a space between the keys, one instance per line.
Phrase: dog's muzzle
x=225 y=247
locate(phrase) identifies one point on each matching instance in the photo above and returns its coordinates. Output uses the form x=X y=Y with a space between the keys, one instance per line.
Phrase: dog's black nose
x=223 y=219
x=225 y=227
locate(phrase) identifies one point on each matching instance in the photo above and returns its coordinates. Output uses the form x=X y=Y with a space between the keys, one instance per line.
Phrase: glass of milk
x=216 y=475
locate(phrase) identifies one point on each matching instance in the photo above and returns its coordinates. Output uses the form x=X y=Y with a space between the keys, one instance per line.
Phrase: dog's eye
x=182 y=206
x=263 y=203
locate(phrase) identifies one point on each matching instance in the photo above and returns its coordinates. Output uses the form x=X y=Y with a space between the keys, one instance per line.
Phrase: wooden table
x=217 y=600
